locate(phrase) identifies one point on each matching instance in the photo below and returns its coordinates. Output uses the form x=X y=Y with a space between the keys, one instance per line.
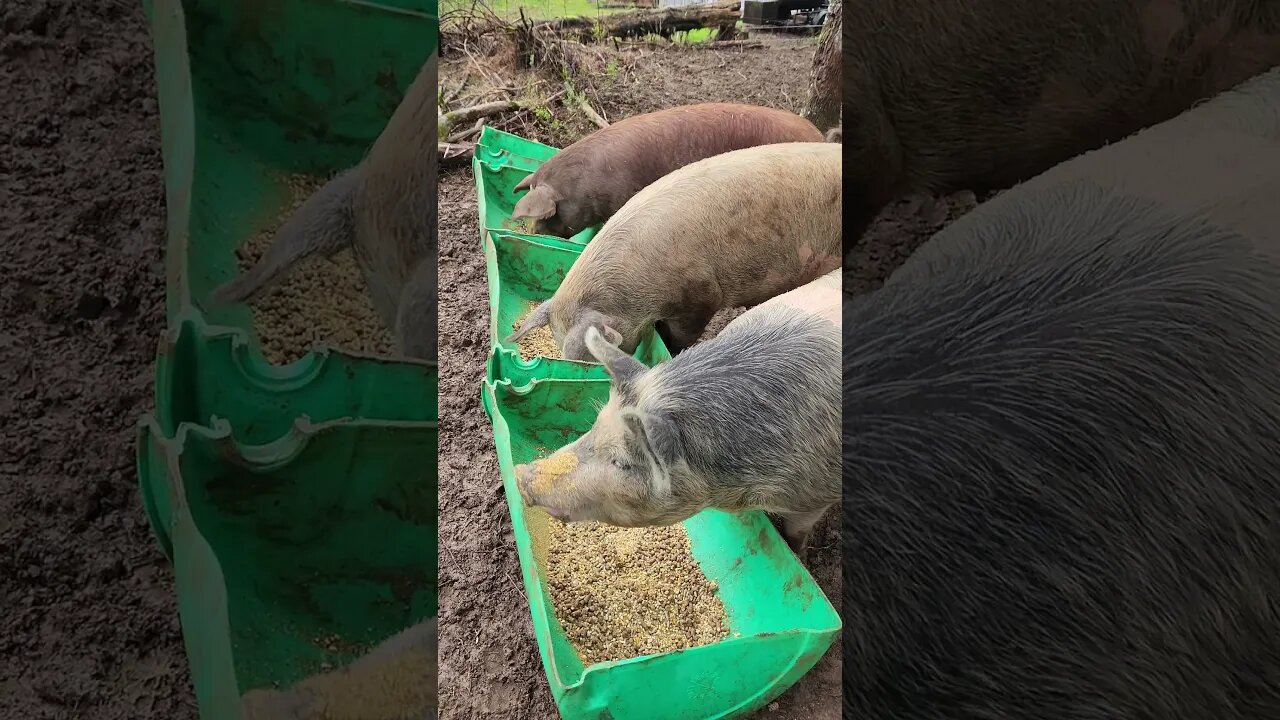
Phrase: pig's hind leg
x=680 y=332
x=797 y=527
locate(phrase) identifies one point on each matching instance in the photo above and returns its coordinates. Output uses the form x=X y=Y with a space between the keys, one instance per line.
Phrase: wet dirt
x=89 y=627
x=490 y=667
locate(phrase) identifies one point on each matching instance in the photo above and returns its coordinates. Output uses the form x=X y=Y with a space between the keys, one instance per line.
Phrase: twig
x=450 y=97
x=483 y=110
x=464 y=134
x=452 y=154
x=591 y=114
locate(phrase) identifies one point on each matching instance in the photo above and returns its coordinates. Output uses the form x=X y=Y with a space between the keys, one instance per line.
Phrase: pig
x=729 y=231
x=384 y=210
x=1060 y=431
x=1005 y=89
x=394 y=681
x=746 y=420
x=587 y=182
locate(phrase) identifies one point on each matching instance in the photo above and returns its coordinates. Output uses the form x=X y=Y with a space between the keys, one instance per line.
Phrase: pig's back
x=611 y=165
x=656 y=143
x=1218 y=164
x=1071 y=423
x=820 y=298
x=1127 y=66
x=745 y=213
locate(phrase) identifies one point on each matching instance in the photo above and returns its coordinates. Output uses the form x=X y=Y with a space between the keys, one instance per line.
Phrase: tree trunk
x=640 y=23
x=822 y=108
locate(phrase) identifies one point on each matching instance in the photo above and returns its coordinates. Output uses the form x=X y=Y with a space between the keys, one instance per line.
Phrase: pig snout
x=540 y=483
x=524 y=478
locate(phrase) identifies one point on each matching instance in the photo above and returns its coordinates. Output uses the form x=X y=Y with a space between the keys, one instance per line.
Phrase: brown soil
x=89 y=627
x=322 y=301
x=490 y=665
x=899 y=230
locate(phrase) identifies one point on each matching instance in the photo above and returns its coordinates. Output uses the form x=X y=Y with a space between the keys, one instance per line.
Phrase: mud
x=490 y=667
x=90 y=625
x=322 y=301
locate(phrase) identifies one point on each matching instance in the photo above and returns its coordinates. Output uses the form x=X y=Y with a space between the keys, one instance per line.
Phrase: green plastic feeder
x=524 y=270
x=297 y=503
x=295 y=556
x=780 y=623
x=501 y=160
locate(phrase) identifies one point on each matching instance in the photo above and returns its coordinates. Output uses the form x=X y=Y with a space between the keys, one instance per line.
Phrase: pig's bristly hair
x=1062 y=471
x=751 y=406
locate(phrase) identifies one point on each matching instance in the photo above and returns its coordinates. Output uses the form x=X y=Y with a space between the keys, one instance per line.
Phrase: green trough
x=524 y=269
x=780 y=623
x=297 y=503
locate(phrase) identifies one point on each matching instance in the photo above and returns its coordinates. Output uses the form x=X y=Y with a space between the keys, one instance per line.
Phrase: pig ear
x=539 y=204
x=539 y=317
x=524 y=184
x=657 y=433
x=621 y=366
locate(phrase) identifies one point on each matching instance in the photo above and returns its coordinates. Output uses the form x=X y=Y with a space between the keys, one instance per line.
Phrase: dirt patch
x=322 y=301
x=90 y=624
x=490 y=665
x=897 y=232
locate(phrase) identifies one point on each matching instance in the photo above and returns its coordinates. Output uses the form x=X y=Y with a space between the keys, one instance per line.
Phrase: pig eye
x=621 y=464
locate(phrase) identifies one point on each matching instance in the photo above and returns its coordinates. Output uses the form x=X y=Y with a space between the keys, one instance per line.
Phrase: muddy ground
x=490 y=666
x=89 y=626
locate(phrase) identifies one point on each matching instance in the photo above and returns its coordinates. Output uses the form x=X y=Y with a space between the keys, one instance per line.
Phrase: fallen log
x=453 y=154
x=640 y=23
x=475 y=112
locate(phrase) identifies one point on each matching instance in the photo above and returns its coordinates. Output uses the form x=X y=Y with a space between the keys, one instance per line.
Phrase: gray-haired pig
x=747 y=420
x=1061 y=422
x=394 y=681
x=948 y=95
x=729 y=231
x=587 y=182
x=384 y=209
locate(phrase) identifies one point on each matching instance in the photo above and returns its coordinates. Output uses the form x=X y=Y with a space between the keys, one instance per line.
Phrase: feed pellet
x=323 y=300
x=624 y=592
x=394 y=689
x=539 y=341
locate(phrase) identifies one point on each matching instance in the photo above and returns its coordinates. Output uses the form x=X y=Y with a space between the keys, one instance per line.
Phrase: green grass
x=695 y=36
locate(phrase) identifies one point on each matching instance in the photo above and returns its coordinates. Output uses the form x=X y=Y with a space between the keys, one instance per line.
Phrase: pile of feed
x=321 y=300
x=539 y=341
x=624 y=592
x=401 y=687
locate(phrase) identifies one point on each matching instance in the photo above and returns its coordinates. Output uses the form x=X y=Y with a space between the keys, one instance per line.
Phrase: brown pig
x=384 y=210
x=587 y=182
x=747 y=420
x=729 y=231
x=948 y=95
